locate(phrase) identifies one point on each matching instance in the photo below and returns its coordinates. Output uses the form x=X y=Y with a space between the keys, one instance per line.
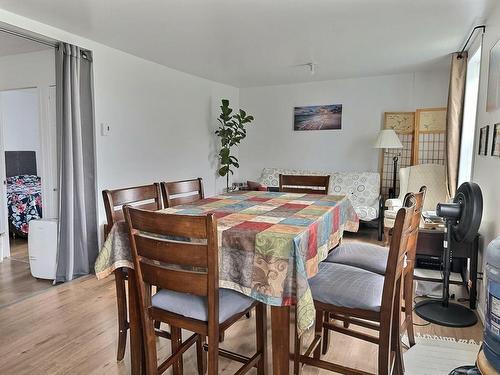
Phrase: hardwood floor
x=16 y=282
x=72 y=329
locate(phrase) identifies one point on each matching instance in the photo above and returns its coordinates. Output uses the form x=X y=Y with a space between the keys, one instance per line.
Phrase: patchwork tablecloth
x=270 y=243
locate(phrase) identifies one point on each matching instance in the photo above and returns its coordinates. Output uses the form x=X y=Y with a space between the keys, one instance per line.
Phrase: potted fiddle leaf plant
x=231 y=132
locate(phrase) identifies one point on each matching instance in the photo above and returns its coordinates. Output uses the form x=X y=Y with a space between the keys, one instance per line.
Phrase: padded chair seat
x=363 y=255
x=346 y=286
x=192 y=306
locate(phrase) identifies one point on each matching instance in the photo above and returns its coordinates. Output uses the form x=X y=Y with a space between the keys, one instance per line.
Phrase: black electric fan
x=462 y=218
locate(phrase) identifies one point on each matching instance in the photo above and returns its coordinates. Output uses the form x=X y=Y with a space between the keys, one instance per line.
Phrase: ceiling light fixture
x=311 y=65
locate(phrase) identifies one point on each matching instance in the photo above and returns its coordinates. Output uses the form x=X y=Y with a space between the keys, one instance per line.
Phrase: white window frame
x=465 y=172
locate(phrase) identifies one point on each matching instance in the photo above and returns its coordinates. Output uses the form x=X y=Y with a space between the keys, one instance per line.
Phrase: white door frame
x=4 y=222
x=47 y=167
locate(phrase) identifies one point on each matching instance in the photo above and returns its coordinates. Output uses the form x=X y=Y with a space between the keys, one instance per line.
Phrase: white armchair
x=433 y=176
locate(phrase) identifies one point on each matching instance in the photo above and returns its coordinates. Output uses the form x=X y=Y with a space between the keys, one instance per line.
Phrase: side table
x=430 y=244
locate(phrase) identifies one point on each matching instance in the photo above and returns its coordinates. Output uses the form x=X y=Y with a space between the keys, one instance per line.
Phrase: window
x=470 y=112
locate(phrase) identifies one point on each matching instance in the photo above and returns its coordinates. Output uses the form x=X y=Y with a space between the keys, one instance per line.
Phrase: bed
x=24 y=191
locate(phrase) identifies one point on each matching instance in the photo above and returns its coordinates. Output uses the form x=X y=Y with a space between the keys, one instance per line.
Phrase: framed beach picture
x=483 y=140
x=495 y=146
x=318 y=117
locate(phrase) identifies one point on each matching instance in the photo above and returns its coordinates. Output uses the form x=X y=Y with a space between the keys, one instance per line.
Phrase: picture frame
x=483 y=140
x=495 y=145
x=317 y=117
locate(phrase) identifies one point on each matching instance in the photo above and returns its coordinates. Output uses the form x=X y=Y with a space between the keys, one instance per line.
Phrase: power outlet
x=105 y=129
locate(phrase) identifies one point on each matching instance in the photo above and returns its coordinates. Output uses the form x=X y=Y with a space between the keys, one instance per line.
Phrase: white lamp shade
x=388 y=138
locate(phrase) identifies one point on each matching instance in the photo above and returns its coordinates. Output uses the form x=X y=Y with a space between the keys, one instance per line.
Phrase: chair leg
x=386 y=343
x=297 y=368
x=201 y=356
x=176 y=341
x=408 y=297
x=384 y=352
x=326 y=335
x=121 y=301
x=149 y=354
x=261 y=337
x=395 y=339
x=213 y=353
x=380 y=228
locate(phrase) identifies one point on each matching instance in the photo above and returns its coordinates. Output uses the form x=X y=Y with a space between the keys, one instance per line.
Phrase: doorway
x=28 y=169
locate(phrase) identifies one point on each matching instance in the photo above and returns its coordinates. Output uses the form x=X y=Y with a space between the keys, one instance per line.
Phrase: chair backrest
x=433 y=176
x=146 y=197
x=418 y=199
x=304 y=184
x=161 y=243
x=406 y=224
x=182 y=192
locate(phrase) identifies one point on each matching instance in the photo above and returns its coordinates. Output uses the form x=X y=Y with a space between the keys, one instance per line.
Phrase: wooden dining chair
x=365 y=299
x=304 y=184
x=147 y=197
x=179 y=254
x=373 y=258
x=182 y=192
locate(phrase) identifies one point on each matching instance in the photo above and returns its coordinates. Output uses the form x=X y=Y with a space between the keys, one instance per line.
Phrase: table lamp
x=388 y=139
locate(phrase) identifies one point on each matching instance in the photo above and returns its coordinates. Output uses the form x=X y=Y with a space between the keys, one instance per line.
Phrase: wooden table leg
x=136 y=348
x=280 y=327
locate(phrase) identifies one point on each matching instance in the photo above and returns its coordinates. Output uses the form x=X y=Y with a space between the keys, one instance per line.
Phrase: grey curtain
x=456 y=94
x=77 y=235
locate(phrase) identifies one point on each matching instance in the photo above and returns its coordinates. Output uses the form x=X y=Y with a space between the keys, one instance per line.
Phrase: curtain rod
x=28 y=37
x=470 y=37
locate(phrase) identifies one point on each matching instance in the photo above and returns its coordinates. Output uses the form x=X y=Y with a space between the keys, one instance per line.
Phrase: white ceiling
x=260 y=42
x=13 y=45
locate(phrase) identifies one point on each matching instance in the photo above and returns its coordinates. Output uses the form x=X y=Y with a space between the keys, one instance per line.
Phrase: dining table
x=270 y=244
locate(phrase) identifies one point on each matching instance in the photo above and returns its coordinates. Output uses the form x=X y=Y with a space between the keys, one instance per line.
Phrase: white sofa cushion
x=362 y=188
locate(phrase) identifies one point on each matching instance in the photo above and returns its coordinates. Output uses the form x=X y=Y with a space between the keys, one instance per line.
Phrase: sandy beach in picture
x=319 y=117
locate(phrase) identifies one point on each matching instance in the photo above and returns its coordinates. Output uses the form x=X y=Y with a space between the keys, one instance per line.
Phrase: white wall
x=25 y=128
x=161 y=120
x=19 y=111
x=486 y=170
x=272 y=142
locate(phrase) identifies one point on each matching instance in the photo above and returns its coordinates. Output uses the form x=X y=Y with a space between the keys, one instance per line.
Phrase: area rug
x=437 y=355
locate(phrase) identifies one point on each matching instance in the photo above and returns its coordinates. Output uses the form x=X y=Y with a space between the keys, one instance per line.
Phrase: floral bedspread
x=24 y=201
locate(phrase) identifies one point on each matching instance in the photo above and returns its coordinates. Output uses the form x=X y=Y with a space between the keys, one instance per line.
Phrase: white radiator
x=42 y=248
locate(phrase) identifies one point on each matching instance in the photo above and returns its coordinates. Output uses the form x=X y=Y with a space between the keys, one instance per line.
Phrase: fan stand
x=443 y=312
